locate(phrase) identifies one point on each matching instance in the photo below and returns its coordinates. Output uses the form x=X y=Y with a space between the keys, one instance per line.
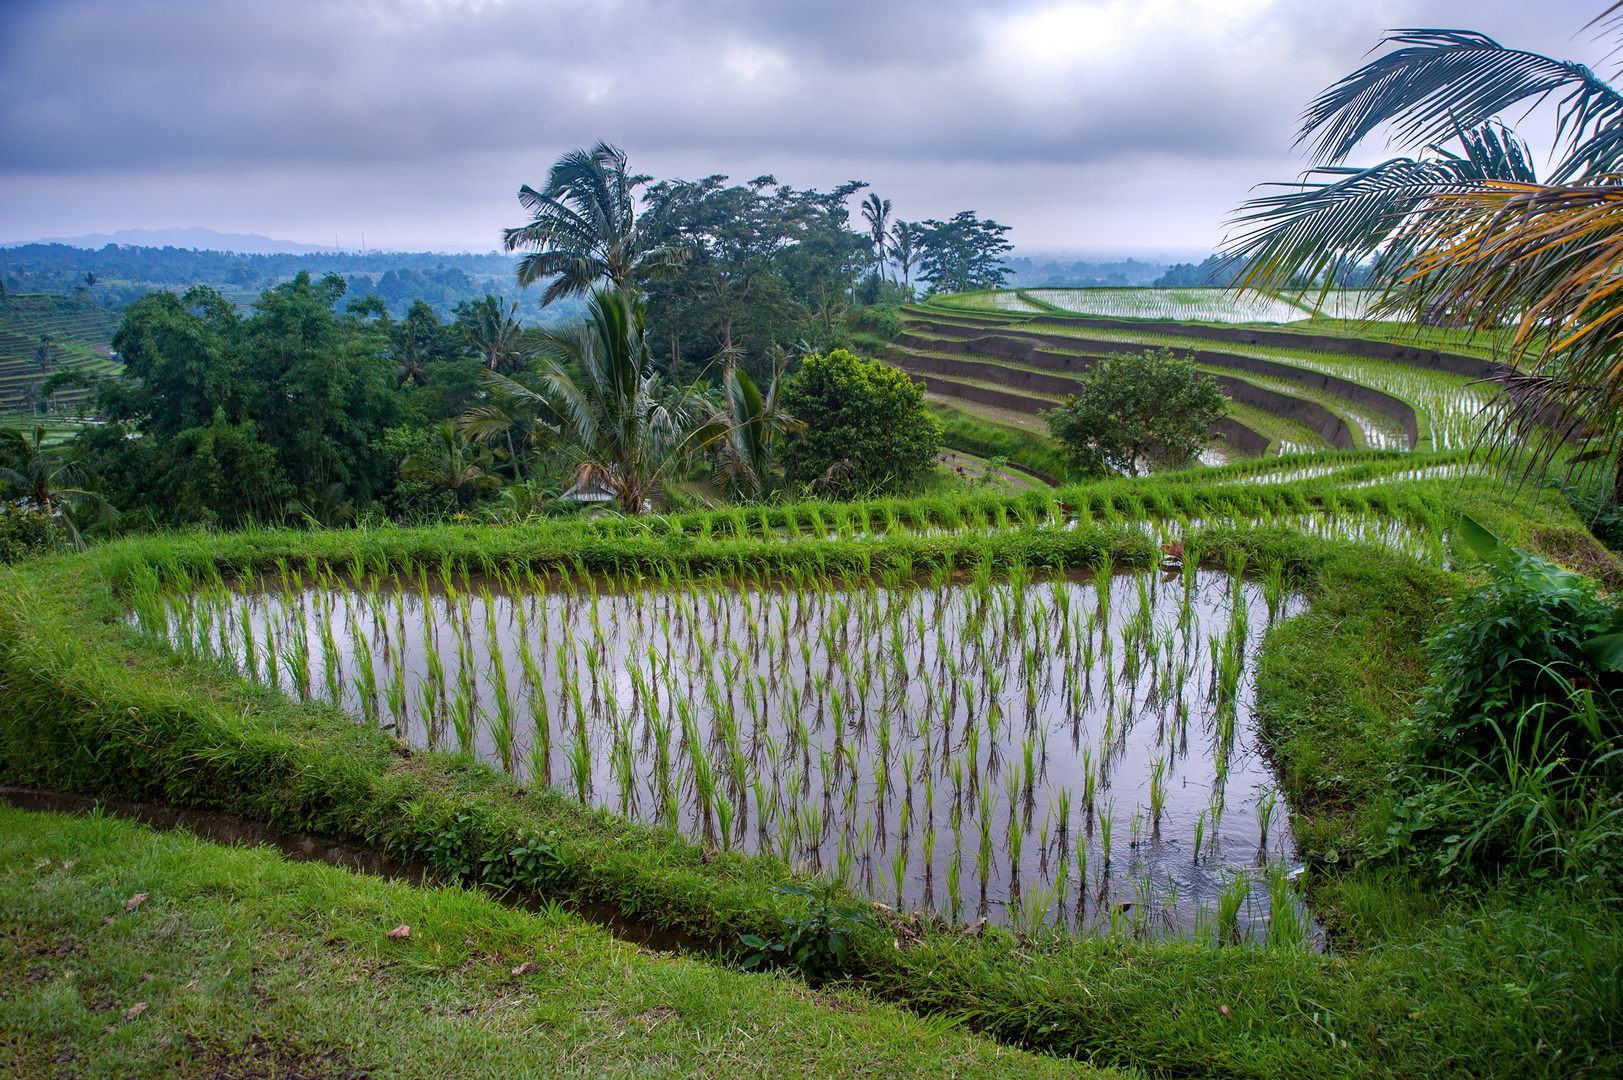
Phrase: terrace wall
x=1238 y=435
x=1022 y=349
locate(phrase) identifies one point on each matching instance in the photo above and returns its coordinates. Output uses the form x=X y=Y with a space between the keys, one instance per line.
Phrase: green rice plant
x=1287 y=926
x=1200 y=833
x=501 y=725
x=250 y=659
x=395 y=693
x=1273 y=588
x=299 y=661
x=1265 y=814
x=367 y=674
x=724 y=820
x=580 y=757
x=1235 y=891
x=1158 y=789
x=1106 y=824
x=539 y=755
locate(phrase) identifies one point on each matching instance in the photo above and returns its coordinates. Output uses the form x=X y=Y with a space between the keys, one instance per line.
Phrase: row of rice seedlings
x=907 y=682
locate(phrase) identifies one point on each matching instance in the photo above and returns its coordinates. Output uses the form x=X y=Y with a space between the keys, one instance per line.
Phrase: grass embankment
x=1038 y=455
x=241 y=964
x=1504 y=984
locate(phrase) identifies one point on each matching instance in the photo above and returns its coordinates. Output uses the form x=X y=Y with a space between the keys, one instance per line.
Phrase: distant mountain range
x=194 y=237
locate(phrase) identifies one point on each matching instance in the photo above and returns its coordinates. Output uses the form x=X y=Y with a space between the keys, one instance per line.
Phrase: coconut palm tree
x=584 y=227
x=904 y=248
x=1462 y=231
x=741 y=433
x=49 y=480
x=494 y=331
x=623 y=427
x=876 y=212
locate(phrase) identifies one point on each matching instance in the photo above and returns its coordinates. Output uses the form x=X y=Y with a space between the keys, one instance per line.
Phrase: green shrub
x=866 y=426
x=1134 y=406
x=1511 y=654
x=1512 y=757
x=26 y=529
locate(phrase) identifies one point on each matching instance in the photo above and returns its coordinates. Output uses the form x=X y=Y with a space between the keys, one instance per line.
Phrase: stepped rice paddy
x=1184 y=305
x=1037 y=749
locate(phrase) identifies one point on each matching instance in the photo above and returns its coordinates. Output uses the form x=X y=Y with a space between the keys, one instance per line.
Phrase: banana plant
x=741 y=434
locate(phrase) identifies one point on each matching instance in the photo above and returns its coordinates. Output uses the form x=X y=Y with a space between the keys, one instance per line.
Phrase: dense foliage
x=866 y=426
x=222 y=418
x=1133 y=407
x=1513 y=758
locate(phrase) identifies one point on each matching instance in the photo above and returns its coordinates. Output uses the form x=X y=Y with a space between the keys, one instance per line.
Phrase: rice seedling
x=1287 y=924
x=1265 y=815
x=1158 y=790
x=1236 y=890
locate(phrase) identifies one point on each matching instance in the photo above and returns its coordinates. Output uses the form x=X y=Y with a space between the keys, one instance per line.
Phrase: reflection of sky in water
x=850 y=729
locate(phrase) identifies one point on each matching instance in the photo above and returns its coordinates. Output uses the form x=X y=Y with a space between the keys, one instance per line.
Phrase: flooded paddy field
x=1036 y=749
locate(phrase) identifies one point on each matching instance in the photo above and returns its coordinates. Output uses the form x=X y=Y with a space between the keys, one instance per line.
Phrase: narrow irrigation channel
x=1043 y=750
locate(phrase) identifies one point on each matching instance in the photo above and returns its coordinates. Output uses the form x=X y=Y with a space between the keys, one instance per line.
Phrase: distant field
x=1184 y=305
x=80 y=337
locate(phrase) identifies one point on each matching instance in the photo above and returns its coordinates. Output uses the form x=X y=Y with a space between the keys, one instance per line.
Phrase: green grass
x=242 y=959
x=961 y=430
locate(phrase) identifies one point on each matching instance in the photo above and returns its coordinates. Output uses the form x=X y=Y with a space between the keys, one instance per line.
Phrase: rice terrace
x=755 y=634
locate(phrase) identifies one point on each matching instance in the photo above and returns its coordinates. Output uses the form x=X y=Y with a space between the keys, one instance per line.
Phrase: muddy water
x=1042 y=751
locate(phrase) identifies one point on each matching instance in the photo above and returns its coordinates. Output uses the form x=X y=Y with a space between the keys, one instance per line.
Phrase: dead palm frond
x=1548 y=258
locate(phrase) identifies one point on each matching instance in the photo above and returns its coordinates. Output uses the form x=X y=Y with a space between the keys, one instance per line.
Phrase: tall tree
x=492 y=330
x=584 y=227
x=904 y=248
x=963 y=253
x=623 y=428
x=876 y=213
x=732 y=237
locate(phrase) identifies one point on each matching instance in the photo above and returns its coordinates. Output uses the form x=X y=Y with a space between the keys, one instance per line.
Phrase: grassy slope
x=243 y=959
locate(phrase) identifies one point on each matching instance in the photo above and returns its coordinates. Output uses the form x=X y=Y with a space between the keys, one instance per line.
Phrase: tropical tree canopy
x=584 y=228
x=964 y=253
x=1462 y=231
x=1135 y=407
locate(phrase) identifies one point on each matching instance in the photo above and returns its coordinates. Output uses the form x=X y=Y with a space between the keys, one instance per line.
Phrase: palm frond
x=1332 y=220
x=1441 y=80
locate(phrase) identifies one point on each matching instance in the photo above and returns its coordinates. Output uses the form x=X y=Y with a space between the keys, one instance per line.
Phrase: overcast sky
x=1110 y=124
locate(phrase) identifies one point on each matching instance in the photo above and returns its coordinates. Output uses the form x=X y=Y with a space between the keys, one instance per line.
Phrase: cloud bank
x=414 y=121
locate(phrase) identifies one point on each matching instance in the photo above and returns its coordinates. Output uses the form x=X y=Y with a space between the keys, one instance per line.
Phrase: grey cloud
x=198 y=92
x=213 y=83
